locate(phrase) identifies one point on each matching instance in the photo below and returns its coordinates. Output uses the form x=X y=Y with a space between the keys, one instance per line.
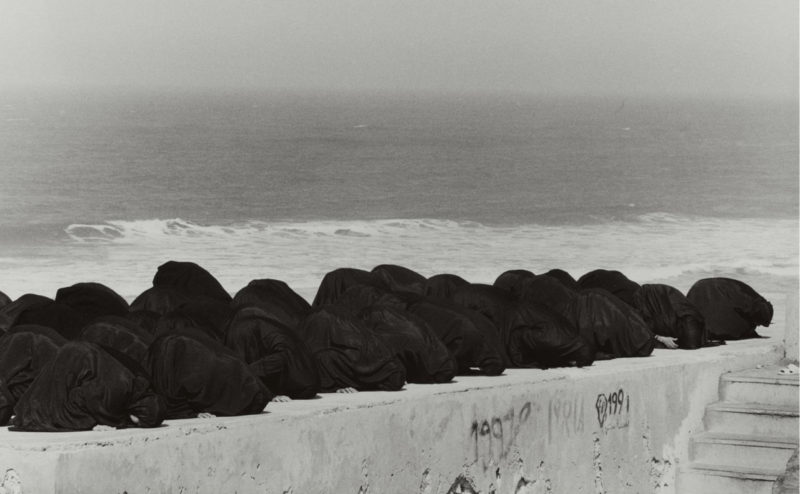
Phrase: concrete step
x=766 y=385
x=741 y=450
x=752 y=419
x=709 y=478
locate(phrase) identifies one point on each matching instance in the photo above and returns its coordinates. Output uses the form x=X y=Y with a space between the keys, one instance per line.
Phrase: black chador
x=400 y=279
x=275 y=298
x=121 y=334
x=336 y=282
x=24 y=351
x=274 y=353
x=84 y=386
x=348 y=354
x=731 y=309
x=424 y=356
x=470 y=337
x=669 y=313
x=197 y=374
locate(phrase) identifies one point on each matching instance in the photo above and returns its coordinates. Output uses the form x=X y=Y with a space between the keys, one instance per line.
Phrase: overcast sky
x=725 y=47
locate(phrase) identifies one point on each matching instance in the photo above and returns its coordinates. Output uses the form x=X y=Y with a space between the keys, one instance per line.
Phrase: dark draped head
x=190 y=279
x=613 y=282
x=400 y=279
x=274 y=297
x=92 y=300
x=564 y=277
x=336 y=282
x=443 y=285
x=511 y=281
x=10 y=312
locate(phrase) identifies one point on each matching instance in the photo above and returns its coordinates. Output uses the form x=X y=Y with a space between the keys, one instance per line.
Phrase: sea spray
x=658 y=246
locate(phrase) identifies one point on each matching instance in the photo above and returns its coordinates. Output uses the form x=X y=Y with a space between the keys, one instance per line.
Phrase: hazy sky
x=725 y=47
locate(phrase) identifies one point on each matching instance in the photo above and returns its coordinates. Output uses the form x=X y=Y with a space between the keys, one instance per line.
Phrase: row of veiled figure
x=186 y=348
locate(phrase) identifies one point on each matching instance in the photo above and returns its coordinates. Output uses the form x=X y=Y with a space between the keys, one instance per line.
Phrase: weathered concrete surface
x=792 y=326
x=617 y=426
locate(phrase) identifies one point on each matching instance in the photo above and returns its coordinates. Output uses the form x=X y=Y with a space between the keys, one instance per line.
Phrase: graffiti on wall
x=564 y=417
x=494 y=436
x=613 y=410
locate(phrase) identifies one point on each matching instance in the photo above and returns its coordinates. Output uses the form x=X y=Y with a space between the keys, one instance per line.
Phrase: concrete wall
x=792 y=327
x=616 y=427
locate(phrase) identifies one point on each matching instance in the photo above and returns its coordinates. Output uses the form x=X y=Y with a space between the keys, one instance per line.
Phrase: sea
x=105 y=185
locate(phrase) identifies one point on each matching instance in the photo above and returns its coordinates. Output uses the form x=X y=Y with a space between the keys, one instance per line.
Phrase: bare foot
x=281 y=399
x=100 y=427
x=347 y=390
x=205 y=415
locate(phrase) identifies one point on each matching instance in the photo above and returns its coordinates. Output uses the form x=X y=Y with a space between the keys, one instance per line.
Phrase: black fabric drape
x=66 y=321
x=196 y=373
x=549 y=292
x=190 y=279
x=422 y=353
x=400 y=278
x=348 y=354
x=536 y=336
x=119 y=333
x=92 y=300
x=669 y=313
x=336 y=282
x=470 y=337
x=613 y=282
x=23 y=353
x=615 y=328
x=145 y=319
x=511 y=281
x=83 y=386
x=492 y=302
x=443 y=285
x=274 y=353
x=275 y=298
x=210 y=315
x=731 y=309
x=564 y=277
x=359 y=297
x=11 y=312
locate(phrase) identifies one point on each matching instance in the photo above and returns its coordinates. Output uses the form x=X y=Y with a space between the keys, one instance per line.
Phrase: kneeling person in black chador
x=732 y=309
x=86 y=385
x=274 y=353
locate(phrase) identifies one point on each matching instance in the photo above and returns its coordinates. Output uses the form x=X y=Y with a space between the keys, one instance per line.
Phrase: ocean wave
x=647 y=248
x=123 y=231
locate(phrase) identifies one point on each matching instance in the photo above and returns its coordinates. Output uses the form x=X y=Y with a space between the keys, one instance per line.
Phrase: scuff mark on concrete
x=364 y=488
x=522 y=486
x=658 y=468
x=540 y=485
x=598 y=467
x=425 y=483
x=11 y=484
x=462 y=485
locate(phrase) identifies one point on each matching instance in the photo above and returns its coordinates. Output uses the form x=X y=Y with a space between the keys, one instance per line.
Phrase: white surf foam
x=125 y=254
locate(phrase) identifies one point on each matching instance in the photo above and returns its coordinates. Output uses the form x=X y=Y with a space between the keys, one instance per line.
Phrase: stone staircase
x=750 y=435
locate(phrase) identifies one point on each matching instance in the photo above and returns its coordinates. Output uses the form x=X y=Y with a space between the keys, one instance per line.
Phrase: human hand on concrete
x=671 y=343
